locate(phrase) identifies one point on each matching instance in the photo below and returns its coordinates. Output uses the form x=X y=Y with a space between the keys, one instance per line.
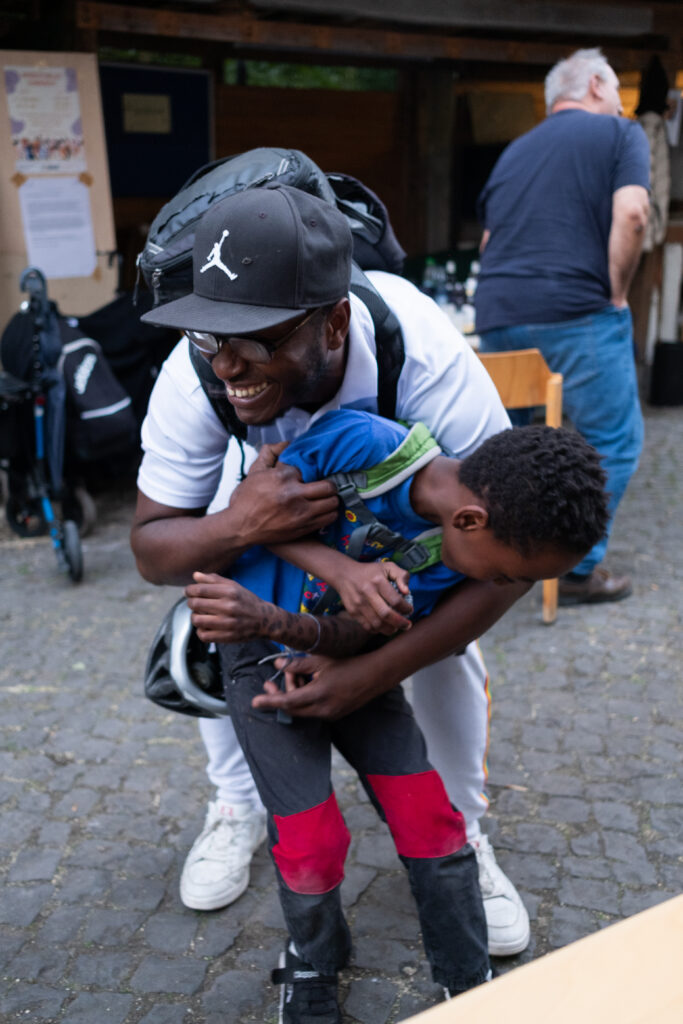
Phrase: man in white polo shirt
x=272 y=313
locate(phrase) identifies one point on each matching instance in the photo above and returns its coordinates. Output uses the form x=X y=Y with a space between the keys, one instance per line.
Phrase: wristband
x=314 y=645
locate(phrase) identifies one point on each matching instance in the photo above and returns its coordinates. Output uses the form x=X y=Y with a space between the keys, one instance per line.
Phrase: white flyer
x=58 y=228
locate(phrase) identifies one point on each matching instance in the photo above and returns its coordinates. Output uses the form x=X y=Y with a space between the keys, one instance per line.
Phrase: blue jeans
x=599 y=393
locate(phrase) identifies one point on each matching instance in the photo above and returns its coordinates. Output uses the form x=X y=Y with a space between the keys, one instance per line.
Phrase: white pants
x=451 y=705
x=450 y=700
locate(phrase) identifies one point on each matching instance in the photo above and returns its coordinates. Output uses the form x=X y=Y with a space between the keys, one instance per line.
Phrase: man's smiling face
x=306 y=370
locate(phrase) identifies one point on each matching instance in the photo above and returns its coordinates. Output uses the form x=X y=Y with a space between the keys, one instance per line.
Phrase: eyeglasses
x=254 y=350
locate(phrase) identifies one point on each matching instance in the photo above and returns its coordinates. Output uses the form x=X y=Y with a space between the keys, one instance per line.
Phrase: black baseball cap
x=260 y=257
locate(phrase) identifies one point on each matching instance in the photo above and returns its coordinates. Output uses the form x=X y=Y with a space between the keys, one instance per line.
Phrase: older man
x=564 y=213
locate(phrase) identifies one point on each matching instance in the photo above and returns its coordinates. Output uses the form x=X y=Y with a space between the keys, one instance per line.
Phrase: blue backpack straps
x=415 y=554
x=416 y=450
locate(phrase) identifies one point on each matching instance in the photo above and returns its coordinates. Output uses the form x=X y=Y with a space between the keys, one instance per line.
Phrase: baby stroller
x=30 y=453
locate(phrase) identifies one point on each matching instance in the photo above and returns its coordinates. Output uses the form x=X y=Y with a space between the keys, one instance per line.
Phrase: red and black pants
x=291 y=765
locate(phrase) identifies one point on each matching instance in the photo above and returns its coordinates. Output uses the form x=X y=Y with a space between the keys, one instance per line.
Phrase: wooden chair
x=523 y=378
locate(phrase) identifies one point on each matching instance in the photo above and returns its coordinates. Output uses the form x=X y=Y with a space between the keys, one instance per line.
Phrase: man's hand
x=368 y=595
x=223 y=611
x=272 y=504
x=318 y=687
x=334 y=688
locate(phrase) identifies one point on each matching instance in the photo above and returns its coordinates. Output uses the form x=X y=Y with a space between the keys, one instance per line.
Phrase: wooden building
x=415 y=97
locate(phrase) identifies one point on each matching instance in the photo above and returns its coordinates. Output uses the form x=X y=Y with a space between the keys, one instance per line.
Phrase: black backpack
x=100 y=421
x=166 y=260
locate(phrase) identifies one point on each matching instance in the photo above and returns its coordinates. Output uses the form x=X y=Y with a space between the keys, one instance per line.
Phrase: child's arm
x=223 y=611
x=365 y=588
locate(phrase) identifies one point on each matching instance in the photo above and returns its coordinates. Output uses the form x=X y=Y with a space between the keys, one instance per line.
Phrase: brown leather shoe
x=599 y=586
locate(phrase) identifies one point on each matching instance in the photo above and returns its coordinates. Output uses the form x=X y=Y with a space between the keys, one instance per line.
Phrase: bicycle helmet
x=184 y=674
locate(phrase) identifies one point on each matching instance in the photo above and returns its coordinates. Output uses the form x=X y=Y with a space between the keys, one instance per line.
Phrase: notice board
x=158 y=125
x=55 y=197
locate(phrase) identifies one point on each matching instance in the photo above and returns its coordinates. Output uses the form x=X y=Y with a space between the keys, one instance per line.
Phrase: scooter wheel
x=25 y=517
x=72 y=550
x=78 y=505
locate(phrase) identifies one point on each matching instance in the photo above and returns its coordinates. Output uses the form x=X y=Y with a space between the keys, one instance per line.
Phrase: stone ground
x=102 y=792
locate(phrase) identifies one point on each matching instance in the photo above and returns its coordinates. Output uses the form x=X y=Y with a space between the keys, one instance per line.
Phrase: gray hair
x=570 y=78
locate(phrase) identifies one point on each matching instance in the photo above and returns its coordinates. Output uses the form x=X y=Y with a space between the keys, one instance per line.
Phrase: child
x=525 y=506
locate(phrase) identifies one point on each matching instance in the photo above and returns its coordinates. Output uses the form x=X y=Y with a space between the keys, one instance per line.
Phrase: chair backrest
x=523 y=378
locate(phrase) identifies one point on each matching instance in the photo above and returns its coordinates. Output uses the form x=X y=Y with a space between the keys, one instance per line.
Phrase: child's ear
x=470 y=517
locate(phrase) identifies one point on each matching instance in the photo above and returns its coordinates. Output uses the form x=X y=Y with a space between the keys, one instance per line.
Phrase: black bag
x=16 y=417
x=100 y=418
x=666 y=379
x=133 y=350
x=166 y=260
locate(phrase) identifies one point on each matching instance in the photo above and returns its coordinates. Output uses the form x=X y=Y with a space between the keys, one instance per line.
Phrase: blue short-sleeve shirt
x=341 y=441
x=548 y=207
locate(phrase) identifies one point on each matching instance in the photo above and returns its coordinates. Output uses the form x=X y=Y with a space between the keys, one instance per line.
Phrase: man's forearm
x=169 y=549
x=271 y=504
x=464 y=615
x=624 y=249
x=629 y=219
x=340 y=687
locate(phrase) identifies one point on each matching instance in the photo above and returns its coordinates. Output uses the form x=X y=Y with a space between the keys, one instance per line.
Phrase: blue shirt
x=548 y=207
x=341 y=441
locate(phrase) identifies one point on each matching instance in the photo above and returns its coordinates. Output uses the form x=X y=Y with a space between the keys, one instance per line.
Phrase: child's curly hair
x=540 y=485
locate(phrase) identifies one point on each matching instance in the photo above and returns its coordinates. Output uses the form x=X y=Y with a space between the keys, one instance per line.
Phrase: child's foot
x=306 y=996
x=452 y=993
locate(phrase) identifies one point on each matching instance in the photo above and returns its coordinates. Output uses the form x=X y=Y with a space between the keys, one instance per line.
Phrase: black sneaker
x=306 y=995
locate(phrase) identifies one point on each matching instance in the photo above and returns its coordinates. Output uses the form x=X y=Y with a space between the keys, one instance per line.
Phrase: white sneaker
x=216 y=870
x=506 y=916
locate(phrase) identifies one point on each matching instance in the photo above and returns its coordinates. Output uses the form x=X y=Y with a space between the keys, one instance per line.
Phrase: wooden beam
x=434 y=150
x=593 y=19
x=248 y=31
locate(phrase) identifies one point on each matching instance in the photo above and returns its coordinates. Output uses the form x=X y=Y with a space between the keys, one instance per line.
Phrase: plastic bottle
x=471 y=282
x=440 y=288
x=428 y=282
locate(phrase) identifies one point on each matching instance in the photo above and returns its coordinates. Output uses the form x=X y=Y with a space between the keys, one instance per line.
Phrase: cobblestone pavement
x=102 y=792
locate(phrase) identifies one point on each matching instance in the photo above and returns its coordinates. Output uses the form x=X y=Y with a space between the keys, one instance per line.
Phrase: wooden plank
x=339 y=40
x=629 y=973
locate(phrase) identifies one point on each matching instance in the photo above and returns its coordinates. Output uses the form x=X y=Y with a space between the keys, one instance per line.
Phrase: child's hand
x=222 y=610
x=374 y=594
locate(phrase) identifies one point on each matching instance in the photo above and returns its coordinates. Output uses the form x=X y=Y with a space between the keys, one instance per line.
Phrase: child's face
x=481 y=556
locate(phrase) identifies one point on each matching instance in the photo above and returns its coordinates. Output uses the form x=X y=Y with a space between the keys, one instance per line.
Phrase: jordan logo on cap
x=214 y=258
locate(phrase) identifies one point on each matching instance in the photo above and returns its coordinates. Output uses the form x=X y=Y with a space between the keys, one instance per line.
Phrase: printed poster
x=58 y=228
x=45 y=120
